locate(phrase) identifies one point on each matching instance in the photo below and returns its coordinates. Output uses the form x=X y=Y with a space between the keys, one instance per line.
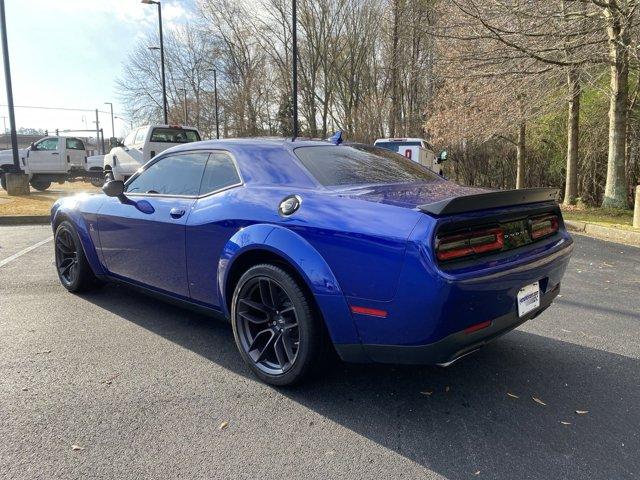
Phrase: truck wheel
x=41 y=186
x=73 y=269
x=275 y=327
x=3 y=181
x=97 y=182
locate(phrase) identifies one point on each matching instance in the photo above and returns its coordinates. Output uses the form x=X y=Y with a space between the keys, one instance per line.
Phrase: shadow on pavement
x=468 y=423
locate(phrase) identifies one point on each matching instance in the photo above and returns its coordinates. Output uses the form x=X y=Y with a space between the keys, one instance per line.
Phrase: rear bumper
x=444 y=351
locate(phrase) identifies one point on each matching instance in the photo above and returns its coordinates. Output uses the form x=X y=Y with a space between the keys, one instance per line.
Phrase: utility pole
x=186 y=117
x=98 y=131
x=164 y=85
x=113 y=128
x=295 y=68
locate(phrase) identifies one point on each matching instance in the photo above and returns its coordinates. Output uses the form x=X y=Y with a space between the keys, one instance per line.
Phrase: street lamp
x=113 y=128
x=164 y=86
x=294 y=54
x=7 y=79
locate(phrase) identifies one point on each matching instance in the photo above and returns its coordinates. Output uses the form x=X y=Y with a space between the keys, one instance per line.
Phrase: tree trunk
x=615 y=192
x=521 y=155
x=571 y=188
x=394 y=114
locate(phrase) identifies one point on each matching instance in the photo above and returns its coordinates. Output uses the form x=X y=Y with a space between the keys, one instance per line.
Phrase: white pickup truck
x=142 y=144
x=54 y=159
x=416 y=149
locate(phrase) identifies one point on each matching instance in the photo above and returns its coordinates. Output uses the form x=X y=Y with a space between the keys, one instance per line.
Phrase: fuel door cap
x=289 y=205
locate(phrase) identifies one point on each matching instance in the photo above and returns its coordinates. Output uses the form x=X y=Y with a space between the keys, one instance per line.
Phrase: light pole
x=215 y=99
x=124 y=120
x=294 y=21
x=164 y=86
x=113 y=128
x=7 y=77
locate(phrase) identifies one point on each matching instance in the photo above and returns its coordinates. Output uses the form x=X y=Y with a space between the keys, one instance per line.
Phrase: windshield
x=394 y=146
x=174 y=135
x=360 y=165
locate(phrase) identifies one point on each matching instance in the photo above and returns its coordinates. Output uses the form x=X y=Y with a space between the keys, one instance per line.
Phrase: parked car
x=303 y=243
x=142 y=144
x=54 y=159
x=416 y=149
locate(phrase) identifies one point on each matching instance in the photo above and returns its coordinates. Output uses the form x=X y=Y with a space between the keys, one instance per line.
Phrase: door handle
x=55 y=153
x=176 y=212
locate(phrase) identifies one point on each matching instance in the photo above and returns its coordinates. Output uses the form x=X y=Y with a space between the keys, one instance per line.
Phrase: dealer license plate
x=528 y=298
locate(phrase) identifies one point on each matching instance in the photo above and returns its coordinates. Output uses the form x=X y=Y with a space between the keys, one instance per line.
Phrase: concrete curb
x=25 y=220
x=604 y=233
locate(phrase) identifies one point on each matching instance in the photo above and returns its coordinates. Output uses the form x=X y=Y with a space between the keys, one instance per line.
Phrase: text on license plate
x=528 y=298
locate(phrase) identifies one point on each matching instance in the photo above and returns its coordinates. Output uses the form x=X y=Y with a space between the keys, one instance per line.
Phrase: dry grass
x=608 y=217
x=39 y=203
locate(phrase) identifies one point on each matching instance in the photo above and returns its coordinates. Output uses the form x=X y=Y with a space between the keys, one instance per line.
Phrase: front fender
x=69 y=209
x=308 y=263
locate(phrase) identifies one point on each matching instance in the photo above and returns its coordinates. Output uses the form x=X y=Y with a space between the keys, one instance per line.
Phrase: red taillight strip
x=373 y=312
x=477 y=326
x=539 y=230
x=447 y=247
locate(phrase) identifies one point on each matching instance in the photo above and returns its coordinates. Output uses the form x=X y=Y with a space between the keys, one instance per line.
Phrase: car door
x=44 y=156
x=210 y=226
x=75 y=152
x=143 y=239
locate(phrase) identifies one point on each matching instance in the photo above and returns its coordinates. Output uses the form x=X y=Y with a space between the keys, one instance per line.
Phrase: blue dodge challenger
x=313 y=246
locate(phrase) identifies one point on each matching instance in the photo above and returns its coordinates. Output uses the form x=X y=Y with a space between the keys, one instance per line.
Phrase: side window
x=220 y=172
x=48 y=144
x=140 y=134
x=179 y=174
x=74 y=144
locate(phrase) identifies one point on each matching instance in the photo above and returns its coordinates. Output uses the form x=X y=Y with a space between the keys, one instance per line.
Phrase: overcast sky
x=66 y=53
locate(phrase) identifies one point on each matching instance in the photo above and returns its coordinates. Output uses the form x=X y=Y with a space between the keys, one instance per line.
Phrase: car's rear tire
x=3 y=181
x=73 y=269
x=40 y=186
x=276 y=330
x=97 y=181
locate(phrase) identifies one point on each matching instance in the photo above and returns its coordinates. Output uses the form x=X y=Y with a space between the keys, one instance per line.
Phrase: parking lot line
x=24 y=251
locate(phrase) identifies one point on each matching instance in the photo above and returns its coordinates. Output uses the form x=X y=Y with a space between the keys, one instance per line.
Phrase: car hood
x=409 y=195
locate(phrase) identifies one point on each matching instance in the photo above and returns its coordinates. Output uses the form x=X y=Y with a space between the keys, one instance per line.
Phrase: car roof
x=289 y=143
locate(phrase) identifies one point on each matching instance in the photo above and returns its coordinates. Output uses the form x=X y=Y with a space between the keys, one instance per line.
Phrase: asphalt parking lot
x=142 y=388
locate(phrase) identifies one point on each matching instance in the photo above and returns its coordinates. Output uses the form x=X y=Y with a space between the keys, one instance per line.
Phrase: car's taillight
x=461 y=245
x=543 y=226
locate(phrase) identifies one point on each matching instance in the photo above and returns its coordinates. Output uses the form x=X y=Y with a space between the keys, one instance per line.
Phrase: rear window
x=394 y=146
x=174 y=135
x=360 y=165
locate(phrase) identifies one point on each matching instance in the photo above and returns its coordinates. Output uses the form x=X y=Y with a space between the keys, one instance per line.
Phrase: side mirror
x=32 y=146
x=442 y=156
x=113 y=188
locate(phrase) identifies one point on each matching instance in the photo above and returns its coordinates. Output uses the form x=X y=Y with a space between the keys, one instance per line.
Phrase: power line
x=59 y=108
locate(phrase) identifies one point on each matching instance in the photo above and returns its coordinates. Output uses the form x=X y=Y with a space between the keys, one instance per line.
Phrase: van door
x=45 y=157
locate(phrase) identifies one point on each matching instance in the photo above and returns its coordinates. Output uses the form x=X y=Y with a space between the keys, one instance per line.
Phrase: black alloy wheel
x=278 y=334
x=73 y=269
x=66 y=257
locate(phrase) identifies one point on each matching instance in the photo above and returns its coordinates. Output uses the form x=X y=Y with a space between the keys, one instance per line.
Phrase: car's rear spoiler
x=484 y=201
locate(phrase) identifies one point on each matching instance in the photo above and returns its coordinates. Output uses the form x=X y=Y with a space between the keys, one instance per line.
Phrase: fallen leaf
x=427 y=393
x=477 y=473
x=223 y=425
x=565 y=423
x=446 y=389
x=512 y=395
x=24 y=389
x=43 y=351
x=110 y=380
x=582 y=412
x=537 y=400
x=606 y=264
x=76 y=447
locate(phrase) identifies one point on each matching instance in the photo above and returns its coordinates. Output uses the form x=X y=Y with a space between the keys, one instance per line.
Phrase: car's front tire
x=275 y=327
x=73 y=269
